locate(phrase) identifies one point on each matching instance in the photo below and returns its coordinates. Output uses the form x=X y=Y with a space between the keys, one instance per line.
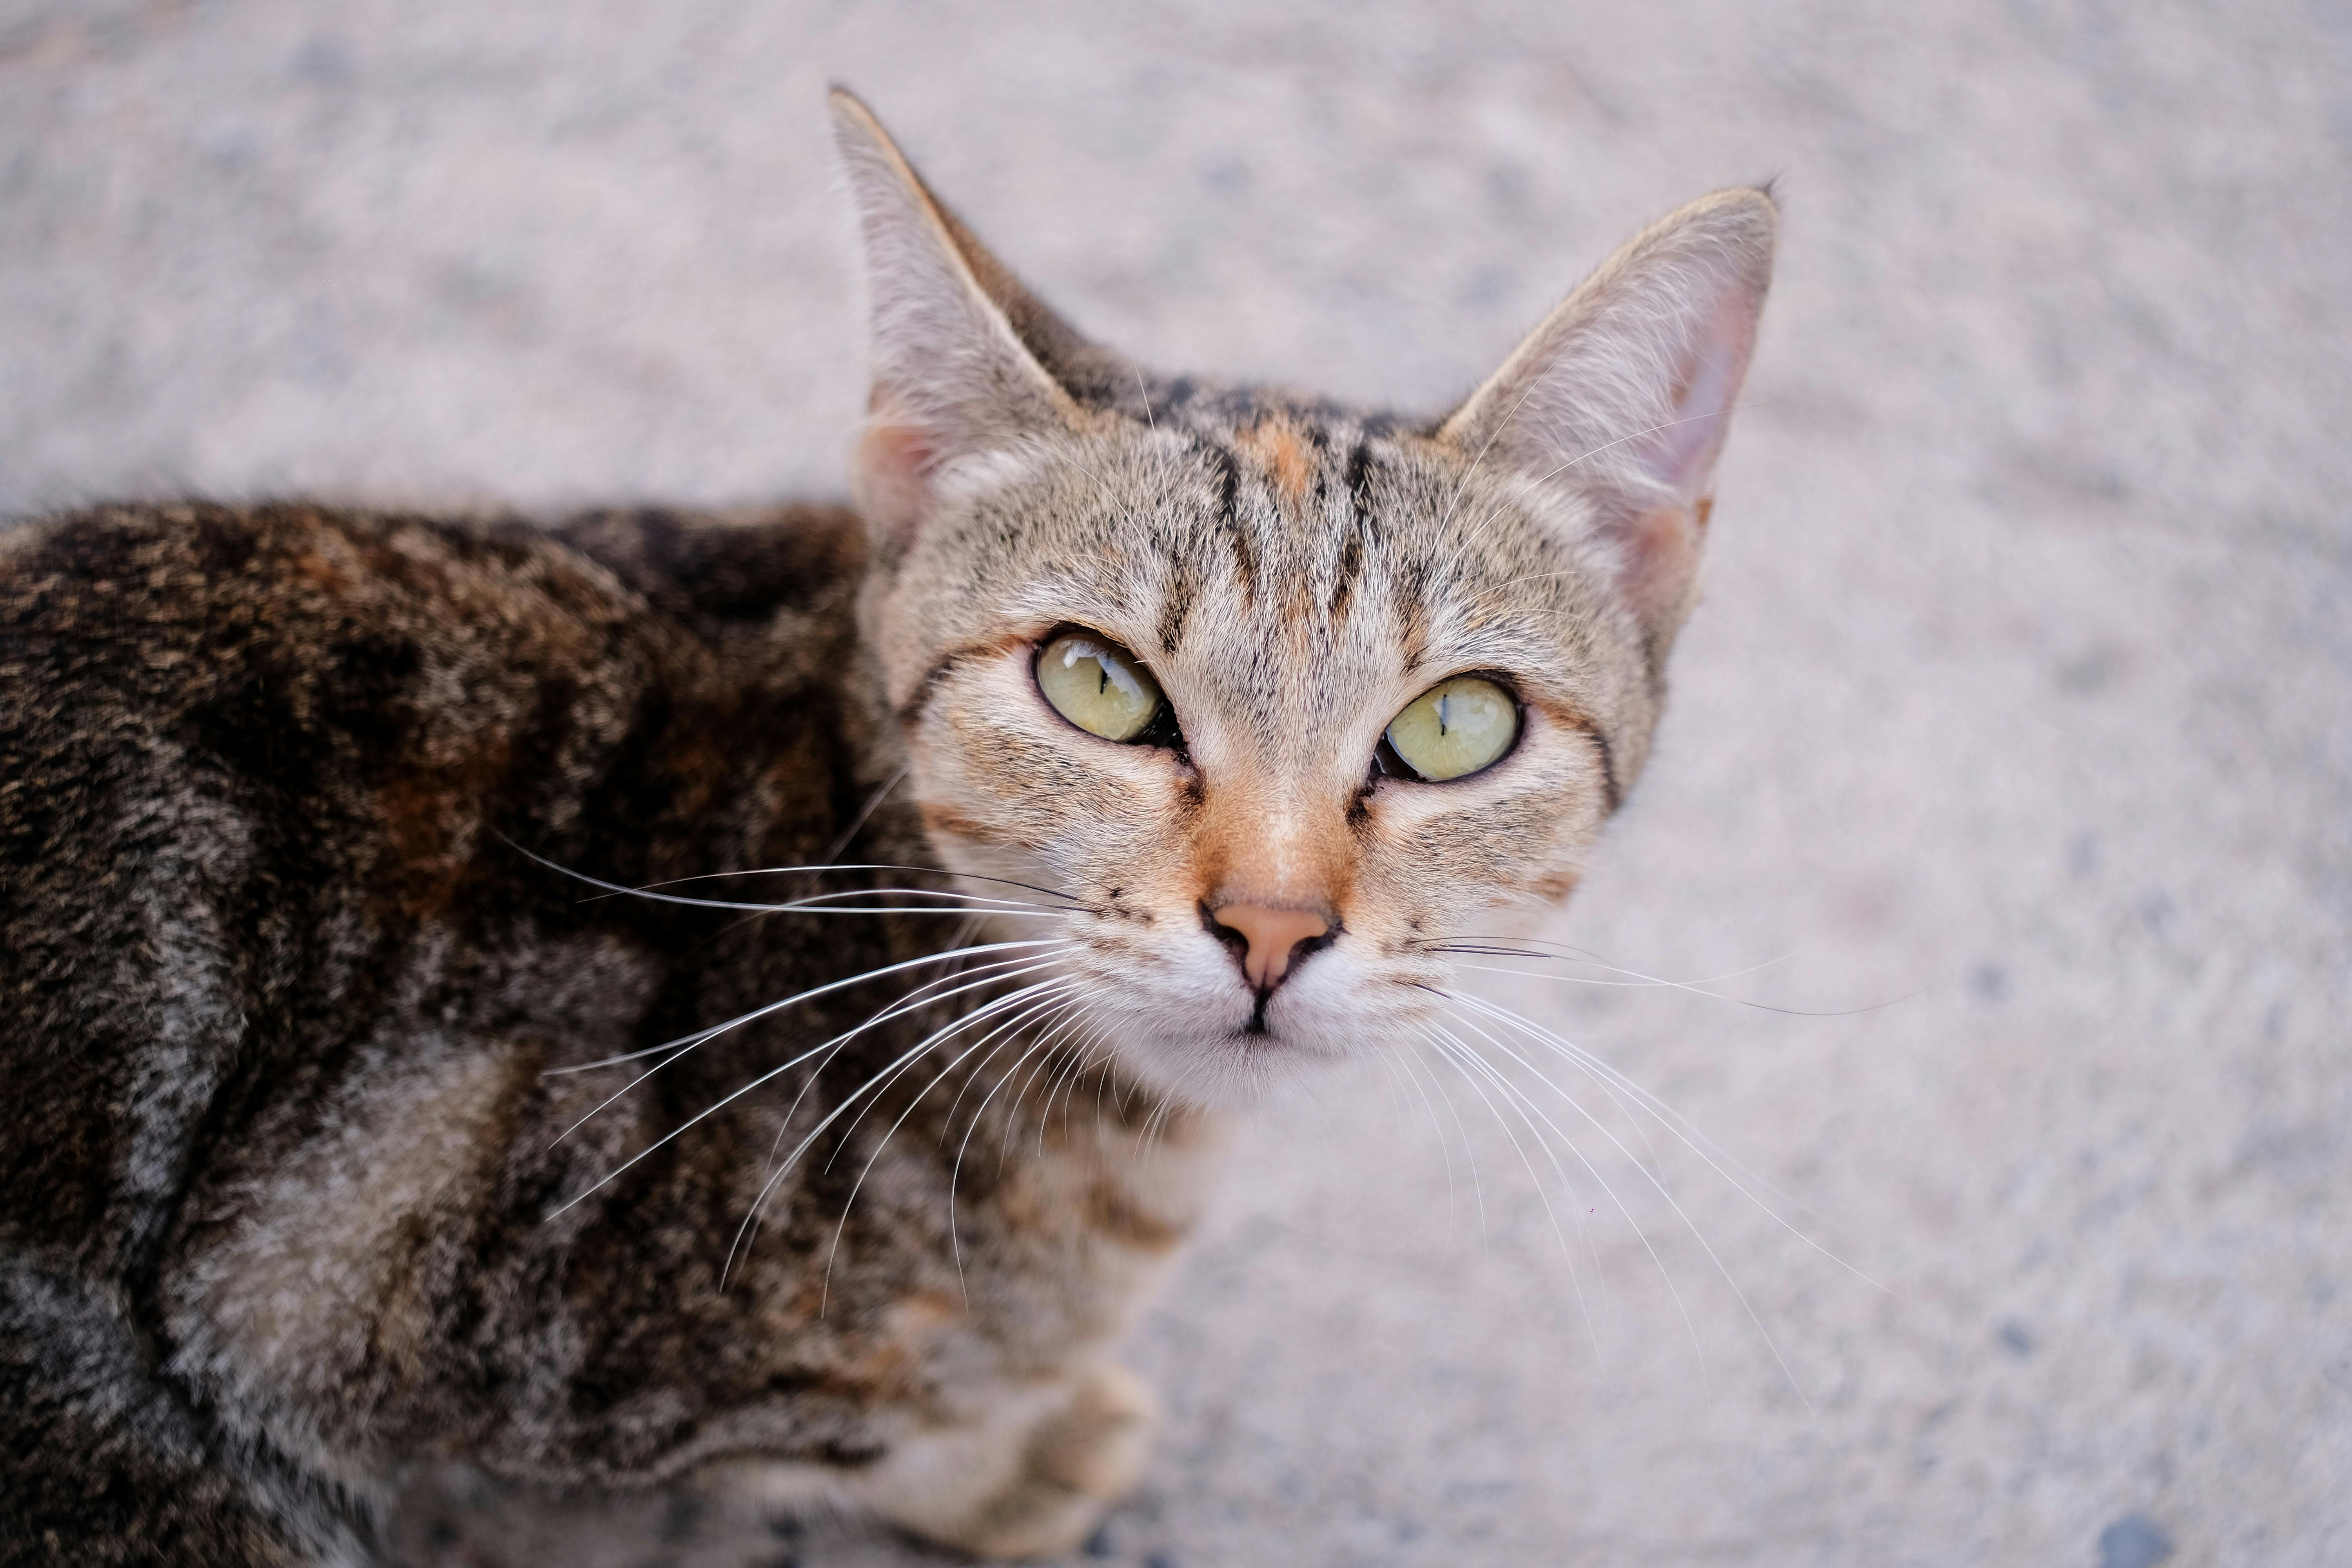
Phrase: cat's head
x=1273 y=700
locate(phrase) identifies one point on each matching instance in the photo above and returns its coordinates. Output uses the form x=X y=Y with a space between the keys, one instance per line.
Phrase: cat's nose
x=1271 y=938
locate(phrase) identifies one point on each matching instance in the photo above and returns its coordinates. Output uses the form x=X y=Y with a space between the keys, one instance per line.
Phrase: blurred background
x=2014 y=736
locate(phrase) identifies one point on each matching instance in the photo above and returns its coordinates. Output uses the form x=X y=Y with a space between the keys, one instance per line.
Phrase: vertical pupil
x=1103 y=671
x=1442 y=699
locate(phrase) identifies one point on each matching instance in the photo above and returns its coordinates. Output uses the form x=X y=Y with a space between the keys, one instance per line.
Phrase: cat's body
x=296 y=955
x=303 y=1235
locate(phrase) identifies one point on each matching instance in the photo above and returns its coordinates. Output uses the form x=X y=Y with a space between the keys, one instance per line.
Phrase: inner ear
x=1659 y=548
x=890 y=481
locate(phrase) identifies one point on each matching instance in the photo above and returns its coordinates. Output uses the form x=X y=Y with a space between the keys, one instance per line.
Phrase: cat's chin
x=1239 y=1066
x=1233 y=1073
x=1193 y=1033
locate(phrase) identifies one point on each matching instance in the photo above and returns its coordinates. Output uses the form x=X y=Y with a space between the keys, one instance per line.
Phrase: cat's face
x=1289 y=588
x=1258 y=705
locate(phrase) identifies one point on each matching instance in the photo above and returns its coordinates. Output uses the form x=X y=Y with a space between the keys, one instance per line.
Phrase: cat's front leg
x=1035 y=1481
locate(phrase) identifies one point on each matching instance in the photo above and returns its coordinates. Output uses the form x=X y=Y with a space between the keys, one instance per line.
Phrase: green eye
x=1454 y=727
x=1096 y=685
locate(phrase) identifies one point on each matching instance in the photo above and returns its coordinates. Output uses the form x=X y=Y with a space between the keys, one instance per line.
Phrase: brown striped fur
x=295 y=804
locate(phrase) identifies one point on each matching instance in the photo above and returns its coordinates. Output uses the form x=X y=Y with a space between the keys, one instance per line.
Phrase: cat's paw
x=1075 y=1463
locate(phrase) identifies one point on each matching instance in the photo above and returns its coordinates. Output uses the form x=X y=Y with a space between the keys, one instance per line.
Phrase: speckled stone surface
x=2017 y=725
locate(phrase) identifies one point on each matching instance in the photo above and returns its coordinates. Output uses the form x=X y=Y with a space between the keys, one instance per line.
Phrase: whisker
x=1498 y=948
x=685 y=1042
x=1610 y=1079
x=895 y=1009
x=830 y=904
x=1529 y=1106
x=616 y=888
x=1013 y=1103
x=1513 y=1098
x=1523 y=1106
x=988 y=1012
x=1560 y=1044
x=728 y=1100
x=1445 y=1149
x=1093 y=1049
x=913 y=1001
x=1444 y=1039
x=1639 y=1232
x=955 y=1173
x=978 y=1015
x=1074 y=1027
x=1666 y=1194
x=1397 y=1107
x=1102 y=1084
x=1156 y=1118
x=985 y=1011
x=1014 y=1022
x=849 y=834
x=1469 y=1154
x=1067 y=1078
x=1602 y=1128
x=1671 y=1121
x=1096 y=1055
x=1640 y=980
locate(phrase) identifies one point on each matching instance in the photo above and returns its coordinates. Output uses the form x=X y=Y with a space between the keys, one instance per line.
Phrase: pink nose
x=1272 y=937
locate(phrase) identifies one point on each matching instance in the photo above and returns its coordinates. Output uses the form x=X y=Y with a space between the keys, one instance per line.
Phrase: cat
x=761 y=996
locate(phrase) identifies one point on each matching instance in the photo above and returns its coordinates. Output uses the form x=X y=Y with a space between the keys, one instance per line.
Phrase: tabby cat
x=758 y=995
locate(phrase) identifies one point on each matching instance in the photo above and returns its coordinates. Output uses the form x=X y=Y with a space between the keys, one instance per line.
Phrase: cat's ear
x=956 y=338
x=1624 y=393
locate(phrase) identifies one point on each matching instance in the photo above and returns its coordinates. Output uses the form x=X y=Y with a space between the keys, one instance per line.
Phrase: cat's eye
x=1454 y=729
x=1099 y=685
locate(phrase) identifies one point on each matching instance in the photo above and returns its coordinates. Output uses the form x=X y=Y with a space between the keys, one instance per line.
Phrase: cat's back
x=166 y=605
x=258 y=764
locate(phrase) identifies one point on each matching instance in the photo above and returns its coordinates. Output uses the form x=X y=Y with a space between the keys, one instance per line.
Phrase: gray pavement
x=2021 y=702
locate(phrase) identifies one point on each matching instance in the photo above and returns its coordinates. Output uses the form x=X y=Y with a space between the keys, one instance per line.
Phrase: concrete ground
x=2017 y=724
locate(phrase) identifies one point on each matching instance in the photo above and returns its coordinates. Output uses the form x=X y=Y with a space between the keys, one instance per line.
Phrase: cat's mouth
x=1187 y=1018
x=1257 y=1028
x=1269 y=946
